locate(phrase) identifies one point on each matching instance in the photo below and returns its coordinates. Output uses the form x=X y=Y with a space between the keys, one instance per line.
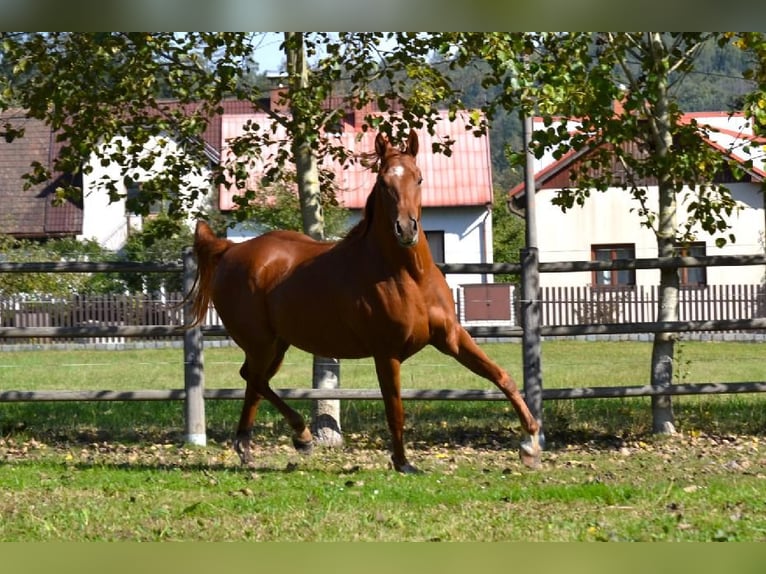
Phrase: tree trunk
x=664 y=343
x=326 y=371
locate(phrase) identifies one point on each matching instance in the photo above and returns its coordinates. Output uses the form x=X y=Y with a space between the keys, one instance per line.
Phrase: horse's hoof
x=405 y=468
x=242 y=448
x=530 y=460
x=305 y=447
x=530 y=452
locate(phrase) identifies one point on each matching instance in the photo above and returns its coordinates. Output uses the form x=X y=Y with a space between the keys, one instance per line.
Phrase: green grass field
x=565 y=364
x=119 y=471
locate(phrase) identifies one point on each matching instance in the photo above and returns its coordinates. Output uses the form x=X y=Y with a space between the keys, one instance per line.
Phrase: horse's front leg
x=459 y=344
x=388 y=370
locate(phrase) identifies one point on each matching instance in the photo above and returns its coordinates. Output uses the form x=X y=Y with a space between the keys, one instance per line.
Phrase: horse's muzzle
x=407 y=233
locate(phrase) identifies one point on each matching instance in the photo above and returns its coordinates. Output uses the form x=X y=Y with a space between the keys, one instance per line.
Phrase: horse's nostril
x=414 y=225
x=398 y=228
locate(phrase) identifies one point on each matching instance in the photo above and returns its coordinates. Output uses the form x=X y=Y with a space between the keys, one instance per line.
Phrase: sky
x=270 y=58
x=267 y=53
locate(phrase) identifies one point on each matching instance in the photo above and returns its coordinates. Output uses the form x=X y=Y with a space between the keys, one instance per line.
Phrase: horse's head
x=399 y=181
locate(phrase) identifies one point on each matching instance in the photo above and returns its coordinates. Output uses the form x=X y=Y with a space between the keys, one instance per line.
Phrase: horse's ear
x=412 y=143
x=381 y=144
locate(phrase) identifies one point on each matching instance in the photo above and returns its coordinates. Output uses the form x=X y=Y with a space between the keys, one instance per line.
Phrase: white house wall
x=109 y=223
x=748 y=228
x=607 y=218
x=467 y=239
x=106 y=223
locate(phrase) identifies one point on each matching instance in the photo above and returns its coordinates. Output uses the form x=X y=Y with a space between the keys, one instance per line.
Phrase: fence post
x=326 y=412
x=531 y=338
x=530 y=289
x=194 y=376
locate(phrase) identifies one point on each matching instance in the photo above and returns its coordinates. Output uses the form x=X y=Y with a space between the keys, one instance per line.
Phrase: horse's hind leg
x=460 y=345
x=303 y=440
x=257 y=389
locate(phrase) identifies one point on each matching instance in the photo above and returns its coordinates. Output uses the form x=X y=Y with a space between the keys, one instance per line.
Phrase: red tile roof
x=30 y=213
x=464 y=178
x=724 y=131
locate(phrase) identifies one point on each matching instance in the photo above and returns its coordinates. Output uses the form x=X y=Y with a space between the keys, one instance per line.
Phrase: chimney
x=278 y=92
x=618 y=106
x=278 y=101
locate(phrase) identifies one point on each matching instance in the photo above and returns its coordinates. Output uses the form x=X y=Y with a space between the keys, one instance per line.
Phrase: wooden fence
x=90 y=310
x=194 y=392
x=638 y=304
x=560 y=306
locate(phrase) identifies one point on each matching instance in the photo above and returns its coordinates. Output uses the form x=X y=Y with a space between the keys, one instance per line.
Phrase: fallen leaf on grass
x=246 y=492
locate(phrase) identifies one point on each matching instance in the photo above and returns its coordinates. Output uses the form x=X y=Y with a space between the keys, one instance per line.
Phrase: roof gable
x=725 y=132
x=462 y=179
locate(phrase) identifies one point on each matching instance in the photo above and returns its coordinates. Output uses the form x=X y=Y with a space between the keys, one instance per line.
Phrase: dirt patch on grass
x=688 y=453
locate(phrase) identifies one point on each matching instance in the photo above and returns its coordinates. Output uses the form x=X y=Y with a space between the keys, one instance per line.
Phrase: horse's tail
x=208 y=249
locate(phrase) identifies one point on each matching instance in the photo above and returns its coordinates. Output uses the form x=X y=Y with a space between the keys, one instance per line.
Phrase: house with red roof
x=31 y=213
x=457 y=189
x=607 y=226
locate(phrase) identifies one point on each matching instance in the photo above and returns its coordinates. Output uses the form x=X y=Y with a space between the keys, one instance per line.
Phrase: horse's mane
x=361 y=228
x=372 y=162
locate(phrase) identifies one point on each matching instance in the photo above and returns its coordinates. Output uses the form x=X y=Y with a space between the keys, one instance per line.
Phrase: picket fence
x=581 y=305
x=638 y=304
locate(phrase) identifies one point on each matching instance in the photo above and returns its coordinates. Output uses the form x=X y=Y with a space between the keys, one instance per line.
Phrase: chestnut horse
x=376 y=293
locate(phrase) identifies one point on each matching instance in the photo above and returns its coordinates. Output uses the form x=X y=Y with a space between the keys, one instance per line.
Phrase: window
x=133 y=196
x=133 y=192
x=692 y=276
x=436 y=244
x=612 y=277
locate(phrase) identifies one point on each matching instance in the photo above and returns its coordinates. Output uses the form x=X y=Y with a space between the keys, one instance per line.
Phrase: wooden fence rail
x=152 y=331
x=545 y=267
x=194 y=393
x=374 y=394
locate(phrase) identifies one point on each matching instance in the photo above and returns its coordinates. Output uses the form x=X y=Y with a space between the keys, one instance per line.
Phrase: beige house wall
x=611 y=217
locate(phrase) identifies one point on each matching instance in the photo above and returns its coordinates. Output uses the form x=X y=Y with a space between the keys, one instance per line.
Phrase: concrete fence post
x=531 y=339
x=194 y=375
x=326 y=412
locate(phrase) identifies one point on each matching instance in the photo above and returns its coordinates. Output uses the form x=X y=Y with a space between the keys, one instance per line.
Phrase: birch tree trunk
x=326 y=371
x=664 y=343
